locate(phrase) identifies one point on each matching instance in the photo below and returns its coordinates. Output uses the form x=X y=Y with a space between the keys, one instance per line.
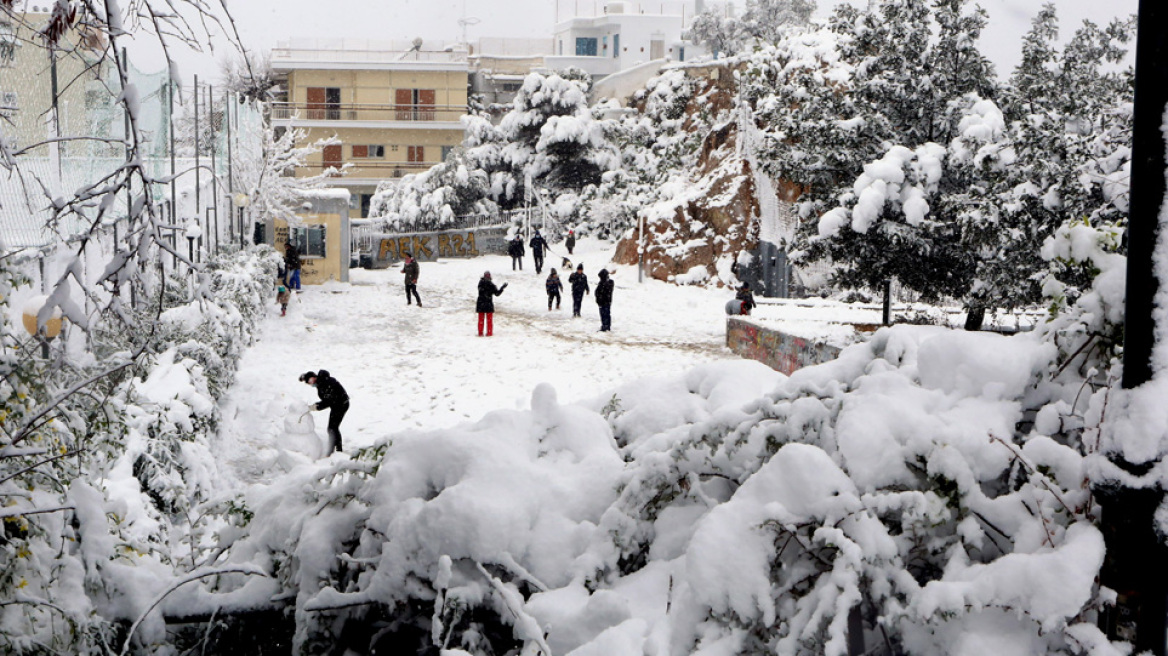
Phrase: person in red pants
x=486 y=302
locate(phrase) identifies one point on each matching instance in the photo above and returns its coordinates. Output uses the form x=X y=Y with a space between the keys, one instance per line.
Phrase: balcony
x=363 y=168
x=367 y=112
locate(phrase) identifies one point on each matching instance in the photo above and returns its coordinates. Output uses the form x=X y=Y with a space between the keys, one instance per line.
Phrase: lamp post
x=241 y=201
x=46 y=332
x=193 y=232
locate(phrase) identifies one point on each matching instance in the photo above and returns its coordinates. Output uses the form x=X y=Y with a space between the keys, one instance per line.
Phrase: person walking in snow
x=604 y=300
x=554 y=287
x=282 y=295
x=292 y=265
x=538 y=244
x=515 y=249
x=579 y=283
x=333 y=398
x=485 y=305
x=410 y=270
x=746 y=298
x=570 y=242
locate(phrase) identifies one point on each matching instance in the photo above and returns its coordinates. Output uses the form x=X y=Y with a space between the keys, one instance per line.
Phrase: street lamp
x=44 y=333
x=193 y=232
x=241 y=201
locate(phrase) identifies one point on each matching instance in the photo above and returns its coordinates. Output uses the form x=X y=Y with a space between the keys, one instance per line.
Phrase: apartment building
x=626 y=35
x=395 y=106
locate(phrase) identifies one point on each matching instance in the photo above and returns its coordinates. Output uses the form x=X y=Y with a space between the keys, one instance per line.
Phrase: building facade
x=395 y=107
x=623 y=37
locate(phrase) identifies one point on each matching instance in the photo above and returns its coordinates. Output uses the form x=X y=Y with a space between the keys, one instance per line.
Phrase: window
x=368 y=151
x=615 y=45
x=366 y=203
x=446 y=150
x=309 y=240
x=414 y=104
x=324 y=103
x=585 y=46
x=9 y=103
x=681 y=53
x=416 y=154
x=561 y=52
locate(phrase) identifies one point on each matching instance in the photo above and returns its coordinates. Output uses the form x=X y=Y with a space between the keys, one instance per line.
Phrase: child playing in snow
x=554 y=287
x=282 y=292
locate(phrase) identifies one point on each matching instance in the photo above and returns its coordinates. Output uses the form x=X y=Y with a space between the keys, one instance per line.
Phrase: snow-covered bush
x=104 y=461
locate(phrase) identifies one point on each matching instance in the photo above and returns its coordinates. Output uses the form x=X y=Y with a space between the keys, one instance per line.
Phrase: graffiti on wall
x=779 y=351
x=428 y=246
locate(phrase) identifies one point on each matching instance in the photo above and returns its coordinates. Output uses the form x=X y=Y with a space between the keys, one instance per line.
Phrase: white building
x=626 y=35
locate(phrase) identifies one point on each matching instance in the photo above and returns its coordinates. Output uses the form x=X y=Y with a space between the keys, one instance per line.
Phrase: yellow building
x=83 y=83
x=396 y=107
x=322 y=236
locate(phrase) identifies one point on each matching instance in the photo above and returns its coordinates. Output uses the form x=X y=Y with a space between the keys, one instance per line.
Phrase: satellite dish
x=417 y=43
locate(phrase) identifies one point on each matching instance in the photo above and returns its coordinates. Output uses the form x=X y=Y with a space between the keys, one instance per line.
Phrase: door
x=316 y=103
x=656 y=49
x=333 y=103
x=402 y=100
x=331 y=156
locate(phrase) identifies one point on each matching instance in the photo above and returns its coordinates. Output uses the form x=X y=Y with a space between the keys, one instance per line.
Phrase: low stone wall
x=779 y=351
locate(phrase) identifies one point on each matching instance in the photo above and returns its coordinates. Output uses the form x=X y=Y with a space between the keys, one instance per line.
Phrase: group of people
x=578 y=282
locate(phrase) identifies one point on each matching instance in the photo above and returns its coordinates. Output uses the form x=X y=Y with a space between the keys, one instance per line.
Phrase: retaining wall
x=782 y=352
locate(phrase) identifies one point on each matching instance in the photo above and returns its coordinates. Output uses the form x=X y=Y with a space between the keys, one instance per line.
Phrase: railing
x=383 y=168
x=367 y=112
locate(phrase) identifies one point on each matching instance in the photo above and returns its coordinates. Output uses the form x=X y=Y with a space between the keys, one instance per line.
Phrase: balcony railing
x=380 y=168
x=353 y=112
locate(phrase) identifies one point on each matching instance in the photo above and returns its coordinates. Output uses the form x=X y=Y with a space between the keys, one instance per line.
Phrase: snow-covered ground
x=410 y=367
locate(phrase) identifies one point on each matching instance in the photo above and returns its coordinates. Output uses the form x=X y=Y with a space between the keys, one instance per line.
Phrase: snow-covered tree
x=267 y=173
x=434 y=198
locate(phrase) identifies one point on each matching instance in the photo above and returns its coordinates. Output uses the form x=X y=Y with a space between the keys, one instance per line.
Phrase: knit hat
x=579 y=267
x=487 y=275
x=306 y=375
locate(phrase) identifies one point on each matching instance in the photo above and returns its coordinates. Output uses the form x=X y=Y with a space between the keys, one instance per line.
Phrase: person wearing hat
x=570 y=242
x=486 y=303
x=604 y=300
x=745 y=298
x=410 y=270
x=538 y=244
x=579 y=283
x=332 y=397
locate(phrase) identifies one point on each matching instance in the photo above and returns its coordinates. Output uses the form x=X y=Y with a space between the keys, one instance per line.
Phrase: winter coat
x=747 y=299
x=291 y=258
x=516 y=248
x=570 y=242
x=332 y=395
x=579 y=283
x=604 y=290
x=554 y=286
x=487 y=293
x=537 y=244
x=411 y=271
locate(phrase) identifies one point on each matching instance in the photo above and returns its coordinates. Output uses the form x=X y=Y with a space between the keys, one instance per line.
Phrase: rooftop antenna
x=464 y=22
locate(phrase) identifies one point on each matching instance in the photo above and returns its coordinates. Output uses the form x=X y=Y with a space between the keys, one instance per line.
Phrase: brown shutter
x=360 y=152
x=426 y=97
x=403 y=98
x=331 y=156
x=417 y=154
x=316 y=103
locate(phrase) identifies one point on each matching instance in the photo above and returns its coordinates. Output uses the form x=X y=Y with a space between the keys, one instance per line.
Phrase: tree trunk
x=974 y=317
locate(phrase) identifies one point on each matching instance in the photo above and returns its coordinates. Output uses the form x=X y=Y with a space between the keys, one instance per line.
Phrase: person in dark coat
x=538 y=244
x=579 y=283
x=333 y=398
x=292 y=265
x=515 y=250
x=604 y=300
x=485 y=305
x=410 y=270
x=745 y=297
x=554 y=287
x=570 y=242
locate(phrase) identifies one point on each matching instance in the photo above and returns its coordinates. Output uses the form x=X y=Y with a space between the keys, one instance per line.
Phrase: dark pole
x=1128 y=518
x=198 y=204
x=227 y=105
x=887 y=302
x=214 y=243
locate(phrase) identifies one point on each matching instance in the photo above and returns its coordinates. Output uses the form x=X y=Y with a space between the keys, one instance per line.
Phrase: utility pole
x=198 y=204
x=1134 y=564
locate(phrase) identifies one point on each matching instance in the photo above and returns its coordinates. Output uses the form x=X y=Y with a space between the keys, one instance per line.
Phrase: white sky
x=262 y=23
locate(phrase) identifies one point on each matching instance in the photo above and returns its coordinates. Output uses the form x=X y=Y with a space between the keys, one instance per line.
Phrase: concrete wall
x=429 y=246
x=779 y=351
